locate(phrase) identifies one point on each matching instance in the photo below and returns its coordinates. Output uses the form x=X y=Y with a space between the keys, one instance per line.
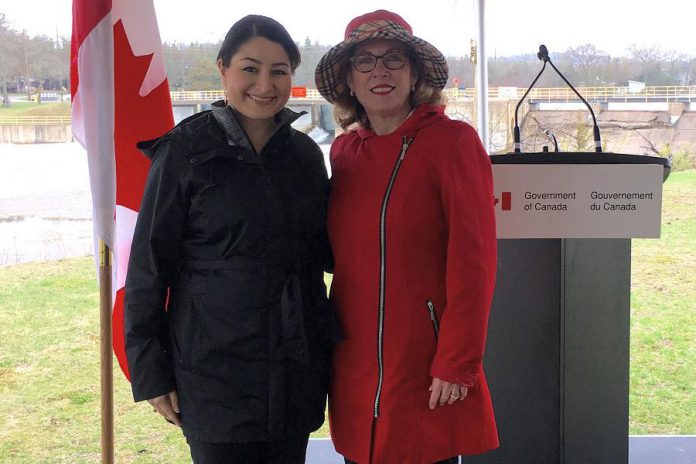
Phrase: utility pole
x=3 y=53
x=5 y=96
x=26 y=65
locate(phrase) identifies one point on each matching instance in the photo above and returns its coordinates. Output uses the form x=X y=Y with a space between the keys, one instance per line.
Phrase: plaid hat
x=380 y=24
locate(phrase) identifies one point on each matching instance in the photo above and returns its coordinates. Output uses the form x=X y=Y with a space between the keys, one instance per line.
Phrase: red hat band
x=379 y=15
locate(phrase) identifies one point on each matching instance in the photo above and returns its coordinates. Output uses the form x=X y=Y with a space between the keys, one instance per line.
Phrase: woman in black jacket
x=227 y=324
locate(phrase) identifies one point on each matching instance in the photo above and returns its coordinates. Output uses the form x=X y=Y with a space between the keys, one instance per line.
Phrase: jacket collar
x=422 y=116
x=226 y=118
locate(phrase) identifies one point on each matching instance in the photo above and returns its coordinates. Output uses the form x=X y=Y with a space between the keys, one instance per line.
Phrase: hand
x=168 y=406
x=442 y=392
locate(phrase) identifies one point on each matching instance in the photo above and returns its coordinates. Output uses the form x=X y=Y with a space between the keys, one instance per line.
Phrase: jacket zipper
x=433 y=317
x=405 y=143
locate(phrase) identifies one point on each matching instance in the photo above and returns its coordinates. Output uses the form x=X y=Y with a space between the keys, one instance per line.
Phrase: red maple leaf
x=134 y=120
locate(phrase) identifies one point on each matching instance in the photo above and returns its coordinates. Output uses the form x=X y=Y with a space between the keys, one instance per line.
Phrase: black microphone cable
x=516 y=131
x=551 y=138
x=543 y=55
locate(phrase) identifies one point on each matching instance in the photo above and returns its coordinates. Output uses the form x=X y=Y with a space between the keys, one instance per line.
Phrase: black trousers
x=454 y=460
x=286 y=451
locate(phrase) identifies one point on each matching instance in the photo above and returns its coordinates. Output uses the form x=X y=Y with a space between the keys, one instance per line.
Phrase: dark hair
x=348 y=110
x=252 y=26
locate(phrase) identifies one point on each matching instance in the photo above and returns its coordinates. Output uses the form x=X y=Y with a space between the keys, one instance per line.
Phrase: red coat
x=432 y=240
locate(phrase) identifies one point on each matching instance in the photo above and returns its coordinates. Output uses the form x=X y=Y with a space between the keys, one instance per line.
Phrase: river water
x=45 y=202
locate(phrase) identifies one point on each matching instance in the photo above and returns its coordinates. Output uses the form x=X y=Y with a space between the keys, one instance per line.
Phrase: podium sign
x=558 y=345
x=578 y=200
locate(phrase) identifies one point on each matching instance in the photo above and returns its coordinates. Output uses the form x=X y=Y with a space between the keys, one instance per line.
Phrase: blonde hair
x=348 y=110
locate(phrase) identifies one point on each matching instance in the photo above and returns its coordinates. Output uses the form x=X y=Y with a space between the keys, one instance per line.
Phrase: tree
x=585 y=56
x=9 y=42
x=646 y=55
x=585 y=62
x=690 y=72
x=46 y=62
x=463 y=69
x=651 y=65
x=203 y=74
x=311 y=54
x=676 y=66
x=192 y=66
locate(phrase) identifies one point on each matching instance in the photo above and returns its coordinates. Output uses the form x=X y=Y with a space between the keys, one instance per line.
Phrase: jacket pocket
x=184 y=333
x=430 y=306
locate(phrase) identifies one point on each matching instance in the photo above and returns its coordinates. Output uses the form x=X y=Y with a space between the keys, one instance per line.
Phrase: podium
x=557 y=355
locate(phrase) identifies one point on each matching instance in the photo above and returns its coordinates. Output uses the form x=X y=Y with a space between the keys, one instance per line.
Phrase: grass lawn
x=35 y=109
x=49 y=374
x=49 y=359
x=663 y=318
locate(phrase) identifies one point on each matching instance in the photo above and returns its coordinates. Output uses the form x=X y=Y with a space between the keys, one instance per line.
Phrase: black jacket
x=233 y=244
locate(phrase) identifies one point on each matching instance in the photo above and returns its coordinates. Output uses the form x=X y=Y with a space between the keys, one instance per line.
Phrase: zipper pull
x=433 y=317
x=431 y=309
x=405 y=142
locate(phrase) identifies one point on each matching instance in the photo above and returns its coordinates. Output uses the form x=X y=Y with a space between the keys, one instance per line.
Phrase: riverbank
x=31 y=122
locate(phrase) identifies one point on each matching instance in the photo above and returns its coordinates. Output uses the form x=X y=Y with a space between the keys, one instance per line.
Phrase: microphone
x=552 y=138
x=543 y=55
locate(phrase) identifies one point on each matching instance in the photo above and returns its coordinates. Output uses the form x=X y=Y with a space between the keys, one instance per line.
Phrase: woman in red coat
x=412 y=228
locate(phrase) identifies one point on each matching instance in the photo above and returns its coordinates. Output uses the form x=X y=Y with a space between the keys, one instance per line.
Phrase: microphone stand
x=516 y=131
x=544 y=56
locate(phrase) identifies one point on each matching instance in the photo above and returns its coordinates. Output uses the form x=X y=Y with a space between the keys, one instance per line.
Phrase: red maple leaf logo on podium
x=506 y=201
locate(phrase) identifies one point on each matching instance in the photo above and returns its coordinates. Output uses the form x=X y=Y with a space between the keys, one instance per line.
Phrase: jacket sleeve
x=152 y=267
x=327 y=254
x=467 y=201
x=316 y=167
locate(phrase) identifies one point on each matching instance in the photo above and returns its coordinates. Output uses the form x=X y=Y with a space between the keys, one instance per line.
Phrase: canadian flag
x=120 y=96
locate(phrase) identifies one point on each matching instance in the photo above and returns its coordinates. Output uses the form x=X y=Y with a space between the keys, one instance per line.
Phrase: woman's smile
x=382 y=89
x=261 y=100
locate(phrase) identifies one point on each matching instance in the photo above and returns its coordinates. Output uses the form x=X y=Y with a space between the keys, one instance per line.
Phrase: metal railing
x=612 y=93
x=214 y=95
x=197 y=95
x=34 y=120
x=601 y=93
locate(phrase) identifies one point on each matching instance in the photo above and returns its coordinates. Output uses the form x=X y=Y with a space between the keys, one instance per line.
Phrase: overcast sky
x=513 y=26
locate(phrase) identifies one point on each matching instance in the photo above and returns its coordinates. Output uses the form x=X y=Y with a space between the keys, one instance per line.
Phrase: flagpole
x=107 y=383
x=482 y=75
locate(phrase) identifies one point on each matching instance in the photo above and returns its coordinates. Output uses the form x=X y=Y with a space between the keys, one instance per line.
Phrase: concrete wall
x=638 y=106
x=501 y=119
x=501 y=114
x=35 y=134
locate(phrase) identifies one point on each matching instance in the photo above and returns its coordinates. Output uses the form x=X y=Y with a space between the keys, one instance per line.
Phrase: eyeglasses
x=366 y=62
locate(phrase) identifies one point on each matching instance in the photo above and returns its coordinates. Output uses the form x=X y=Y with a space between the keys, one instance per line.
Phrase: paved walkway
x=645 y=449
